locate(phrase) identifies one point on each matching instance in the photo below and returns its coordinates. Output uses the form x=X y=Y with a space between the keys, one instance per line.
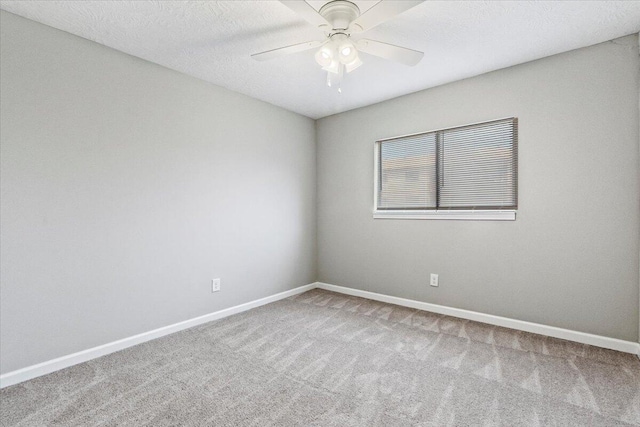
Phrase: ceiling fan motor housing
x=340 y=13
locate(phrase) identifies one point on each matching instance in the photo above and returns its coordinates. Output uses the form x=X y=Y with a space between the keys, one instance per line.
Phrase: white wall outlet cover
x=215 y=285
x=434 y=280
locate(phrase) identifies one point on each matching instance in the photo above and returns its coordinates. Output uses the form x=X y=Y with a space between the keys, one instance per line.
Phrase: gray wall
x=571 y=257
x=126 y=187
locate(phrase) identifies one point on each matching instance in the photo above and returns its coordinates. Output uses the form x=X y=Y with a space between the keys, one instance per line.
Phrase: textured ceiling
x=213 y=40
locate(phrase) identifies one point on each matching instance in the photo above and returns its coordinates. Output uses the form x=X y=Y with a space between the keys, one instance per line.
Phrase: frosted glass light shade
x=347 y=52
x=334 y=67
x=353 y=64
x=325 y=56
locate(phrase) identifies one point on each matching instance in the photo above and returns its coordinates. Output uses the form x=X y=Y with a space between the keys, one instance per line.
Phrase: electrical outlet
x=215 y=285
x=434 y=280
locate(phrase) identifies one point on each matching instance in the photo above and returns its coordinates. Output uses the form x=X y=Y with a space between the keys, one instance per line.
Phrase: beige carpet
x=325 y=359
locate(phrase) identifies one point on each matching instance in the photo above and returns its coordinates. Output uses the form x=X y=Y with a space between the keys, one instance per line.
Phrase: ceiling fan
x=339 y=19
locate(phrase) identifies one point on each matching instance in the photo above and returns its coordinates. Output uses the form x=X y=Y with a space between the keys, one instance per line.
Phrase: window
x=467 y=172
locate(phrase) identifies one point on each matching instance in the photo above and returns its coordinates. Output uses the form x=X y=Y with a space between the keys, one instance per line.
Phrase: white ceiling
x=212 y=40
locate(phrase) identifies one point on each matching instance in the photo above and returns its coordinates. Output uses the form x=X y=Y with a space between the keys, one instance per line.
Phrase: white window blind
x=408 y=166
x=472 y=167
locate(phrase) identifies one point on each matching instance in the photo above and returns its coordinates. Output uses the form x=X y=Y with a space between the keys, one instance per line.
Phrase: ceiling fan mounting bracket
x=339 y=13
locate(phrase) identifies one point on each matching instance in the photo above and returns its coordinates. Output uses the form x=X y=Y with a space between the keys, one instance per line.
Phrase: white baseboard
x=30 y=372
x=536 y=328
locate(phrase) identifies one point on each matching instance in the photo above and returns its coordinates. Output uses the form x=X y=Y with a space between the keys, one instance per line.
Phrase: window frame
x=450 y=214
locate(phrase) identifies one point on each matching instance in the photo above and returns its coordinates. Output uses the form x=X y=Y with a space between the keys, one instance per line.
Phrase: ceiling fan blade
x=287 y=50
x=306 y=11
x=381 y=12
x=388 y=51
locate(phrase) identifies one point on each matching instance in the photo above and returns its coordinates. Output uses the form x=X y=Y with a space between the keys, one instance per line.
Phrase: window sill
x=493 y=215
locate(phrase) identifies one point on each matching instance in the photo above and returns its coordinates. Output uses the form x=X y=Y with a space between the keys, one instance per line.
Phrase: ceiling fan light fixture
x=334 y=67
x=347 y=52
x=353 y=64
x=324 y=56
